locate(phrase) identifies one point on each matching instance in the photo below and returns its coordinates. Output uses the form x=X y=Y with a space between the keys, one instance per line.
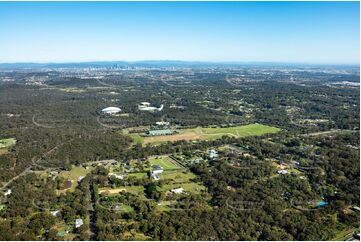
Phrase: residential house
x=78 y=222
x=177 y=190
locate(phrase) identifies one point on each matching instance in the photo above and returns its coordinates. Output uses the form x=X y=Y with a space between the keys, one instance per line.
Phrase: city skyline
x=276 y=32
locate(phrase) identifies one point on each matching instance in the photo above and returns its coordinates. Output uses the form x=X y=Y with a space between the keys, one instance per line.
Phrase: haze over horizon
x=277 y=32
x=26 y=64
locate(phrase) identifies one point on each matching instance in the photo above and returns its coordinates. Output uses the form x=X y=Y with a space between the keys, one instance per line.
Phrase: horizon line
x=176 y=60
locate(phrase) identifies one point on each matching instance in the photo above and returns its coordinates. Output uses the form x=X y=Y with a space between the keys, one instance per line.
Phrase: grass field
x=165 y=162
x=136 y=190
x=74 y=174
x=72 y=90
x=165 y=205
x=293 y=170
x=112 y=190
x=345 y=234
x=237 y=131
x=209 y=133
x=121 y=207
x=137 y=139
x=191 y=187
x=126 y=208
x=135 y=236
x=138 y=175
x=178 y=176
x=183 y=135
x=4 y=143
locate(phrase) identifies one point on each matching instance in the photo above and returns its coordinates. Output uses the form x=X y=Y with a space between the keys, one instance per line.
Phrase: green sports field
x=165 y=162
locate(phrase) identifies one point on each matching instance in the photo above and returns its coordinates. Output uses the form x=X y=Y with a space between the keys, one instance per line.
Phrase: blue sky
x=298 y=32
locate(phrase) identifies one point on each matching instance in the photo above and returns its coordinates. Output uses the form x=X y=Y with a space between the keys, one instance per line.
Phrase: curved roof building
x=111 y=110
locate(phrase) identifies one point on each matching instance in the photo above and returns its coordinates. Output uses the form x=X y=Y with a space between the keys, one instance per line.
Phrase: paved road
x=92 y=219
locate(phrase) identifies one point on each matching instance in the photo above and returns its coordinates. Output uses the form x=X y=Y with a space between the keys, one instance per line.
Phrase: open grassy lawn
x=72 y=90
x=183 y=135
x=126 y=208
x=345 y=234
x=178 y=176
x=164 y=161
x=137 y=139
x=61 y=227
x=111 y=190
x=136 y=190
x=135 y=236
x=121 y=207
x=190 y=187
x=4 y=143
x=165 y=205
x=293 y=170
x=138 y=175
x=237 y=131
x=209 y=133
x=74 y=174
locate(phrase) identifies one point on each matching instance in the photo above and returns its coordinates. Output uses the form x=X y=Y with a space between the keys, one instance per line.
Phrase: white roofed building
x=8 y=192
x=155 y=177
x=78 y=222
x=156 y=169
x=116 y=176
x=145 y=106
x=162 y=123
x=111 y=110
x=213 y=154
x=80 y=178
x=283 y=172
x=177 y=190
x=55 y=213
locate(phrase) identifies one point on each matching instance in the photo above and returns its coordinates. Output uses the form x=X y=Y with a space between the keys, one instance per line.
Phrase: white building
x=157 y=169
x=155 y=177
x=177 y=190
x=196 y=161
x=78 y=222
x=116 y=176
x=162 y=123
x=213 y=154
x=111 y=110
x=161 y=107
x=145 y=106
x=8 y=192
x=80 y=178
x=55 y=213
x=283 y=172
